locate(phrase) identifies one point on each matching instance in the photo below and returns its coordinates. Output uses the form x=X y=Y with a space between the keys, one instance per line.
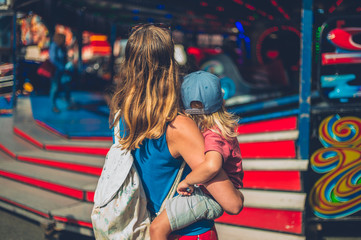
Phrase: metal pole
x=113 y=35
x=80 y=39
x=13 y=99
x=305 y=79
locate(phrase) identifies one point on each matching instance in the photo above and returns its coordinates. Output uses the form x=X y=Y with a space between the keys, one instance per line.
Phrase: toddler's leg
x=160 y=227
x=185 y=210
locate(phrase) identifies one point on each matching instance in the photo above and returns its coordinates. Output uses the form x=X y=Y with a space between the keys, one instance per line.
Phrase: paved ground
x=14 y=227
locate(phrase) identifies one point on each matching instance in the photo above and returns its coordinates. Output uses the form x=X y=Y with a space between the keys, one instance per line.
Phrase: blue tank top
x=158 y=169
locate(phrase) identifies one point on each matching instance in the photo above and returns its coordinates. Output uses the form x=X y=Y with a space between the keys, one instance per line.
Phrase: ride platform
x=55 y=159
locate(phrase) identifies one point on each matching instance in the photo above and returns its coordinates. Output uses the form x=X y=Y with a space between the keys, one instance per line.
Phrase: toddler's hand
x=185 y=189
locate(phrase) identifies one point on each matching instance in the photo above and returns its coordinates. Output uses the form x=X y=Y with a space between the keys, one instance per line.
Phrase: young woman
x=159 y=137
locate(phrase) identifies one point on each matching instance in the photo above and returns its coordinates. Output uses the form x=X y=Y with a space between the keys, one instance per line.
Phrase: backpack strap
x=116 y=129
x=174 y=186
x=117 y=165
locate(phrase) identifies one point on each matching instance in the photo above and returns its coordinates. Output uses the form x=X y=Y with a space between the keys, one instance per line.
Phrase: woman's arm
x=184 y=139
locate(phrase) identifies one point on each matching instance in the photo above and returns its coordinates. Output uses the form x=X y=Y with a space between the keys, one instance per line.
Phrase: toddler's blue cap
x=203 y=87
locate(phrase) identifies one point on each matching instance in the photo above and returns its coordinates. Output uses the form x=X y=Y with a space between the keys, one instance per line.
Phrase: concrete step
x=274 y=138
x=24 y=151
x=75 y=218
x=286 y=221
x=274 y=174
x=32 y=134
x=82 y=164
x=274 y=199
x=269 y=145
x=227 y=232
x=275 y=164
x=268 y=136
x=45 y=207
x=78 y=186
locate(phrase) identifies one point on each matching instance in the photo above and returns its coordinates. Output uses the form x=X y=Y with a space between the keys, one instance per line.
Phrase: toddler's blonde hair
x=221 y=122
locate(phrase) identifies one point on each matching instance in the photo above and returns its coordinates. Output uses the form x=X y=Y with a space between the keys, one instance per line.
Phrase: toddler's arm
x=203 y=173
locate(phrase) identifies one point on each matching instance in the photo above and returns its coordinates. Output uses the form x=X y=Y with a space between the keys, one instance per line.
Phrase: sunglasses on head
x=160 y=25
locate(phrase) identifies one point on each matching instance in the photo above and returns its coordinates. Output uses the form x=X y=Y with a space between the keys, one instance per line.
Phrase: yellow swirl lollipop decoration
x=337 y=193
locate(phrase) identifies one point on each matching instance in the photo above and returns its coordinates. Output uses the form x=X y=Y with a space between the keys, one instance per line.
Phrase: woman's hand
x=185 y=189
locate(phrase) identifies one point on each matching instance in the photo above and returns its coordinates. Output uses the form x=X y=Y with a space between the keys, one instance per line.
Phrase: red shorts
x=209 y=235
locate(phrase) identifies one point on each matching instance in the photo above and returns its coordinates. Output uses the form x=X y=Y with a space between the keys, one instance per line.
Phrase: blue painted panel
x=269 y=116
x=264 y=105
x=90 y=120
x=305 y=78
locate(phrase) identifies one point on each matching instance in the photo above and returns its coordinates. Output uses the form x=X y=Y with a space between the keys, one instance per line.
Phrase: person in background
x=58 y=57
x=66 y=81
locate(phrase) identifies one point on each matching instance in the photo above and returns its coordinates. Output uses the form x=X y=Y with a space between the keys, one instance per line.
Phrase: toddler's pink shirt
x=231 y=153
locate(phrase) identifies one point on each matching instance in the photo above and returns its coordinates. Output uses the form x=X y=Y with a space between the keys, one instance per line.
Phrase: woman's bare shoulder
x=184 y=139
x=182 y=125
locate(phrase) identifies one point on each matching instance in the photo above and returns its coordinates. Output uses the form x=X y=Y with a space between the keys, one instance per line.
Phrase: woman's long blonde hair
x=147 y=95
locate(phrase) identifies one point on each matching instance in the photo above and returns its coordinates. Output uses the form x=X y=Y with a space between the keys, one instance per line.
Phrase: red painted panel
x=275 y=180
x=25 y=207
x=90 y=196
x=77 y=149
x=282 y=124
x=45 y=185
x=73 y=221
x=270 y=219
x=63 y=165
x=27 y=137
x=274 y=149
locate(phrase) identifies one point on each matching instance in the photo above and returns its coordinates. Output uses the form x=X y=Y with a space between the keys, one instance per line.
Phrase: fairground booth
x=289 y=69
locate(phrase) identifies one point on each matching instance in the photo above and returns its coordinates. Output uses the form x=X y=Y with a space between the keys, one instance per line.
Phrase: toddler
x=203 y=101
